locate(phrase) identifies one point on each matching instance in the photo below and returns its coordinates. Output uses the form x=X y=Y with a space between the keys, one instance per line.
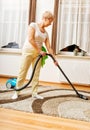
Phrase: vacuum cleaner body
x=11 y=83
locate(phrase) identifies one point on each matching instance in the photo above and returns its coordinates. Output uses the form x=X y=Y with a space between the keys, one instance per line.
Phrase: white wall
x=9 y=63
x=76 y=68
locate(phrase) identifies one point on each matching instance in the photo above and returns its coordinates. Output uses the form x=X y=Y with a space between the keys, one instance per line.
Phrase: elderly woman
x=37 y=35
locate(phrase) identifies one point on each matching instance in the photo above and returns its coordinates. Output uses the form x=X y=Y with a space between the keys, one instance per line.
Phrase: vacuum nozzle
x=83 y=97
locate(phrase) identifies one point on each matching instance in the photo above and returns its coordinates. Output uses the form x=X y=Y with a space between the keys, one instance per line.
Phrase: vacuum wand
x=78 y=94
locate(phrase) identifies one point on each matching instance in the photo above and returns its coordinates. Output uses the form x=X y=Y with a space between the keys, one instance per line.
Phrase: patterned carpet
x=56 y=102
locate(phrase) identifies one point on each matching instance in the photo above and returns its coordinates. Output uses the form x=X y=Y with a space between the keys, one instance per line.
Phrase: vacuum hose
x=39 y=57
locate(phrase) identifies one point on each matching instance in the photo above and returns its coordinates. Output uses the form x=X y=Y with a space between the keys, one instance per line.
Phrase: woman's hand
x=56 y=63
x=43 y=53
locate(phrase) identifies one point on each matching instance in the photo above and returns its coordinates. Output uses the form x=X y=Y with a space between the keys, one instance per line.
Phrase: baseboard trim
x=7 y=76
x=64 y=83
x=51 y=83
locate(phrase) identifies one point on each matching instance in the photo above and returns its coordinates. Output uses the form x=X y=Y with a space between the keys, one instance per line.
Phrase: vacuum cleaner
x=11 y=84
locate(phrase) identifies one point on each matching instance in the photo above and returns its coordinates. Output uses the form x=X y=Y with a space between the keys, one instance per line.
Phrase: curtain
x=73 y=24
x=13 y=21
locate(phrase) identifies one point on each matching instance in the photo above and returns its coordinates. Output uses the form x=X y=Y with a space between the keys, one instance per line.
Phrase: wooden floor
x=17 y=120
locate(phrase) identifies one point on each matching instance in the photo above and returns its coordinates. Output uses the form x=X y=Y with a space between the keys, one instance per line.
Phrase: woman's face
x=47 y=21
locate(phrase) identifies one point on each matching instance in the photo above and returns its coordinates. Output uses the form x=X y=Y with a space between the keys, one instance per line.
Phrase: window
x=73 y=26
x=14 y=17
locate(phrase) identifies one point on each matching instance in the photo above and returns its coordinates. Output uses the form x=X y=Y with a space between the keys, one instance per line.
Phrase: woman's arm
x=47 y=44
x=31 y=38
x=50 y=50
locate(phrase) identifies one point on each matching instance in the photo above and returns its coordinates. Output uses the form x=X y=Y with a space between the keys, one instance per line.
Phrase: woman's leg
x=35 y=80
x=25 y=64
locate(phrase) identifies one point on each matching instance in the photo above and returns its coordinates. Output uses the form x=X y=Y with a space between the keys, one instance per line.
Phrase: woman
x=37 y=35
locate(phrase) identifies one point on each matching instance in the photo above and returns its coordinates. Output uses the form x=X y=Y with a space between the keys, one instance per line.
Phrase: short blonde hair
x=48 y=14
